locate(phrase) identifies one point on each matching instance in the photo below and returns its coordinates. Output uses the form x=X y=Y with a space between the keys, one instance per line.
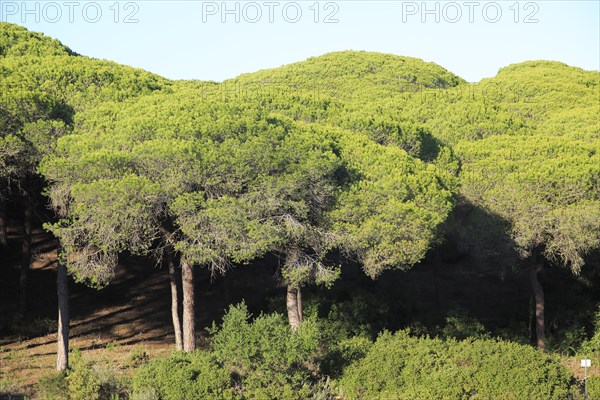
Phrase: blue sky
x=216 y=40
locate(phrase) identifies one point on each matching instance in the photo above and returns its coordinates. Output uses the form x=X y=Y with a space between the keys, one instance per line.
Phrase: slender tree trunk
x=175 y=300
x=299 y=296
x=531 y=320
x=538 y=292
x=292 y=308
x=25 y=255
x=3 y=234
x=62 y=284
x=189 y=329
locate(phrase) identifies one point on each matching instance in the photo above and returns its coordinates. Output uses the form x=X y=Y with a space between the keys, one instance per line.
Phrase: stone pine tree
x=306 y=174
x=546 y=190
x=285 y=190
x=106 y=215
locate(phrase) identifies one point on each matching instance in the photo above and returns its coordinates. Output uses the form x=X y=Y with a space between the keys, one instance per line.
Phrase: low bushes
x=267 y=359
x=262 y=359
x=183 y=376
x=85 y=380
x=82 y=381
x=399 y=366
x=593 y=387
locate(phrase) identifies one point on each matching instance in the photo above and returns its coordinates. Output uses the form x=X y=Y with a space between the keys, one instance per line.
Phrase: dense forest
x=354 y=226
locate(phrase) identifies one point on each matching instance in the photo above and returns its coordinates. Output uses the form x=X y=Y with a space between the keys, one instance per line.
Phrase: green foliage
x=401 y=366
x=459 y=325
x=145 y=393
x=17 y=41
x=592 y=345
x=85 y=380
x=348 y=75
x=138 y=357
x=258 y=359
x=343 y=353
x=80 y=82
x=113 y=386
x=267 y=359
x=238 y=180
x=390 y=216
x=569 y=340
x=82 y=381
x=183 y=376
x=545 y=187
x=593 y=387
x=352 y=152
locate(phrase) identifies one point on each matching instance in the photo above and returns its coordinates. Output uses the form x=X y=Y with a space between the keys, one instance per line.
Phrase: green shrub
x=138 y=357
x=262 y=359
x=85 y=381
x=183 y=376
x=112 y=385
x=345 y=353
x=145 y=394
x=404 y=367
x=82 y=381
x=268 y=360
x=566 y=341
x=593 y=387
x=592 y=345
x=326 y=389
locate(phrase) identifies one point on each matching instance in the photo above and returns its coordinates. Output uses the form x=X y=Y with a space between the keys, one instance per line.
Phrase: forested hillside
x=342 y=183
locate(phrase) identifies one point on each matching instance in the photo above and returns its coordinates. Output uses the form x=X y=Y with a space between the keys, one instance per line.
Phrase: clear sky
x=215 y=40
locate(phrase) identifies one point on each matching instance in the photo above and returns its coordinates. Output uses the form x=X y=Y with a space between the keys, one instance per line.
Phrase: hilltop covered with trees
x=350 y=159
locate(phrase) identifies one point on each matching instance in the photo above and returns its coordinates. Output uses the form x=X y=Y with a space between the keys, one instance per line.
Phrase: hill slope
x=18 y=41
x=350 y=74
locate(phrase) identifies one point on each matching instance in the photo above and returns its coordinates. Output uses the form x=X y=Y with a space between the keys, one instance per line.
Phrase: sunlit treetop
x=353 y=74
x=18 y=41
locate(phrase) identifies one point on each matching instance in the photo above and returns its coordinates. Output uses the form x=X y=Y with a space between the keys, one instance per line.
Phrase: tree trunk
x=25 y=255
x=175 y=300
x=62 y=284
x=189 y=329
x=538 y=292
x=531 y=319
x=3 y=234
x=299 y=296
x=292 y=308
